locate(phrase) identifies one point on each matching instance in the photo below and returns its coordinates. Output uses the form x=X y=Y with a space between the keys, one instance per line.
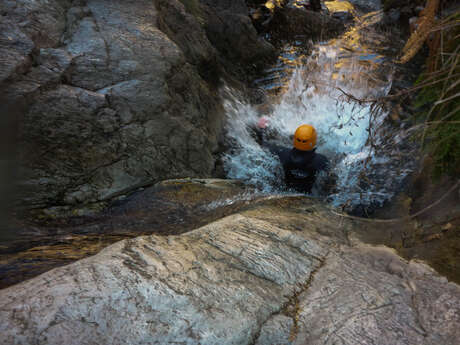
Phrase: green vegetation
x=438 y=100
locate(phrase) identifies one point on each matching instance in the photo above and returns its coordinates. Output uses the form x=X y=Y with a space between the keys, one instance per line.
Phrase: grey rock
x=276 y=330
x=216 y=36
x=107 y=95
x=68 y=127
x=43 y=21
x=358 y=298
x=343 y=16
x=367 y=5
x=52 y=65
x=283 y=272
x=15 y=48
x=236 y=38
x=234 y=6
x=186 y=30
x=289 y=23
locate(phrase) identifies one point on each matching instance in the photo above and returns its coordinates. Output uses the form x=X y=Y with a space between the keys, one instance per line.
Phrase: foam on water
x=247 y=160
x=315 y=94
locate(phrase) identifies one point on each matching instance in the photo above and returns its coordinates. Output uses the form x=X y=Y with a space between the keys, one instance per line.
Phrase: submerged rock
x=287 y=269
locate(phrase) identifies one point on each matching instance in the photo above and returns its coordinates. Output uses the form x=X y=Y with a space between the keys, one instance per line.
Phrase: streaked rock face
x=108 y=99
x=286 y=271
x=170 y=207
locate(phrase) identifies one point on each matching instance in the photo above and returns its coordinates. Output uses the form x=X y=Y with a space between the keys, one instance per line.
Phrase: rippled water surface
x=315 y=89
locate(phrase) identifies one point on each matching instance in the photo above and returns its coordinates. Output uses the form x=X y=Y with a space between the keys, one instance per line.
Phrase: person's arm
x=262 y=131
x=274 y=149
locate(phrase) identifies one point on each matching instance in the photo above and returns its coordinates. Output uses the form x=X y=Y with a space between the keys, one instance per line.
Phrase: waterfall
x=314 y=90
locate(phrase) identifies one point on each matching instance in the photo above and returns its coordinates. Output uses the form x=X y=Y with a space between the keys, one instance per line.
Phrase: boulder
x=183 y=24
x=107 y=96
x=400 y=12
x=287 y=270
x=42 y=21
x=292 y=23
x=230 y=30
x=368 y=5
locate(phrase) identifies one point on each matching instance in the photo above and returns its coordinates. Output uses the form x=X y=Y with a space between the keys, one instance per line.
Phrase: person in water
x=301 y=163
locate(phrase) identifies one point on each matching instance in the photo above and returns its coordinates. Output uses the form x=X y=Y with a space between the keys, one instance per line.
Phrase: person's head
x=305 y=138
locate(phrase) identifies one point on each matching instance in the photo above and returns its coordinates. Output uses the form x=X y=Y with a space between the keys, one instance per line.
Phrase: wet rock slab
x=54 y=238
x=286 y=269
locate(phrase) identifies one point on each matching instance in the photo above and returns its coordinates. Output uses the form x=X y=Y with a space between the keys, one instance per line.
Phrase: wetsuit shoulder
x=320 y=162
x=280 y=151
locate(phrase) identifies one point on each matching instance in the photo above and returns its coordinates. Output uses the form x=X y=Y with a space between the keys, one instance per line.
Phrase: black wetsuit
x=300 y=167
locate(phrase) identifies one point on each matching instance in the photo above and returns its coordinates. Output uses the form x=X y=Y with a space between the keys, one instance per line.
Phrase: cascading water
x=315 y=91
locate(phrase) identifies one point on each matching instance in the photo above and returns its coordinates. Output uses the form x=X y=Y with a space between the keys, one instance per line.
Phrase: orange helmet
x=305 y=138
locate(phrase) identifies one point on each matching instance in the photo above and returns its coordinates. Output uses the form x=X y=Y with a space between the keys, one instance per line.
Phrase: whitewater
x=332 y=89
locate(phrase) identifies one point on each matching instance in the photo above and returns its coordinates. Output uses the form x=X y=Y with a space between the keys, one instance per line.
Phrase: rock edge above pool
x=288 y=272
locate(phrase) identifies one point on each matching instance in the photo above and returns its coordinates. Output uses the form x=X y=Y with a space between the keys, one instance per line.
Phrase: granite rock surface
x=284 y=272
